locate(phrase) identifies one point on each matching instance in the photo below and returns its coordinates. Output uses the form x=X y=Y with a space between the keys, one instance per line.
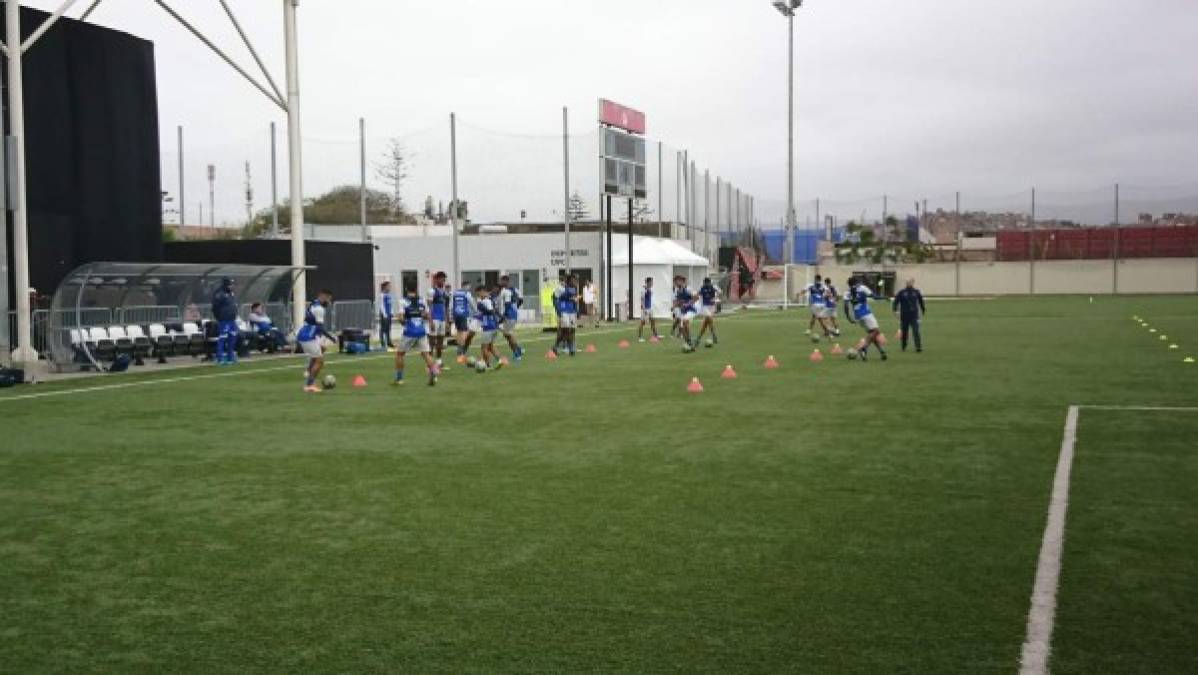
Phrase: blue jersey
x=413 y=318
x=510 y=301
x=437 y=300
x=830 y=297
x=567 y=300
x=647 y=298
x=224 y=305
x=488 y=317
x=859 y=299
x=313 y=326
x=386 y=305
x=684 y=298
x=708 y=294
x=461 y=303
x=817 y=294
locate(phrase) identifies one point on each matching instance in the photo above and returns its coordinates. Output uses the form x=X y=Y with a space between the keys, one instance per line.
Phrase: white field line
x=1037 y=646
x=1038 y=643
x=238 y=372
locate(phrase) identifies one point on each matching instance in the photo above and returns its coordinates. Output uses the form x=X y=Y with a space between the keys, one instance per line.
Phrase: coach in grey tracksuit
x=908 y=303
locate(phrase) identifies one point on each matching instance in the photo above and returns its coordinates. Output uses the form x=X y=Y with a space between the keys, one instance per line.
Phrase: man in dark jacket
x=224 y=310
x=908 y=304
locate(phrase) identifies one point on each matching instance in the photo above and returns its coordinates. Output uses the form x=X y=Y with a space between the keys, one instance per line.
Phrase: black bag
x=10 y=377
x=120 y=364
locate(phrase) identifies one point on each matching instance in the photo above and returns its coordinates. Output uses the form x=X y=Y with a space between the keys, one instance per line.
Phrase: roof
x=653 y=251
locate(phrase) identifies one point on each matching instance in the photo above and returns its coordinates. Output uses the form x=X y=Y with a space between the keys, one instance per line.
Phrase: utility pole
x=453 y=209
x=274 y=186
x=295 y=161
x=566 y=181
x=182 y=196
x=362 y=176
x=249 y=196
x=212 y=195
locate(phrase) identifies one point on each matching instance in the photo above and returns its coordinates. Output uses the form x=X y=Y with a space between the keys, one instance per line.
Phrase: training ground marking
x=1037 y=645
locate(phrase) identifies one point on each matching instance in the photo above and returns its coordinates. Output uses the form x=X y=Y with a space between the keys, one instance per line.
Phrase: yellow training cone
x=1189 y=359
x=1164 y=337
x=1172 y=346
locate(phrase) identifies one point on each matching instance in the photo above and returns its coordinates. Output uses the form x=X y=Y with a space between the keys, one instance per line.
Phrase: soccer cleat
x=640 y=339
x=312 y=389
x=884 y=357
x=396 y=383
x=499 y=364
x=863 y=355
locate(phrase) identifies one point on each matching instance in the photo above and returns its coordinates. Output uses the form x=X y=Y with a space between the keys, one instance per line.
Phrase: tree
x=393 y=170
x=339 y=206
x=578 y=208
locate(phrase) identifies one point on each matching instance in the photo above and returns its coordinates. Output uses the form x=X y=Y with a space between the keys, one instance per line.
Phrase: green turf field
x=589 y=514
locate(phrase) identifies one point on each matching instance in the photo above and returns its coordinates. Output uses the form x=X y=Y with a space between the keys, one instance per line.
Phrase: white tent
x=660 y=259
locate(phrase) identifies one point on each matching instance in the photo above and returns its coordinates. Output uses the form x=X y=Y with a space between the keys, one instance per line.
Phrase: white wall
x=1065 y=277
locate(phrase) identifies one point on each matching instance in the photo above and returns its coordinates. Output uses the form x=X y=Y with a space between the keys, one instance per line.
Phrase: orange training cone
x=695 y=387
x=591 y=349
x=461 y=359
x=654 y=339
x=771 y=363
x=836 y=350
x=728 y=373
x=624 y=344
x=359 y=382
x=550 y=355
x=816 y=356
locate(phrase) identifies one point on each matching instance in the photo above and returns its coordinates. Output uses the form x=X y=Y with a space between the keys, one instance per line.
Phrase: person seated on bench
x=270 y=337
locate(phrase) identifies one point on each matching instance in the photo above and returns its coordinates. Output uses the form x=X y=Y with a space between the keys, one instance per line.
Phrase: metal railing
x=352 y=314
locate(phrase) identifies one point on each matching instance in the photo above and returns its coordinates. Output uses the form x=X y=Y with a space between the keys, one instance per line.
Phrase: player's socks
x=399 y=375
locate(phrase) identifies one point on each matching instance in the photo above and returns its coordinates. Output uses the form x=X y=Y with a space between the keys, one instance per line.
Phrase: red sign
x=623 y=117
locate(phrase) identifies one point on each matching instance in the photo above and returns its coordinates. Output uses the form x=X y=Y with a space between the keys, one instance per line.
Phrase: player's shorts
x=487 y=337
x=869 y=322
x=436 y=328
x=509 y=326
x=818 y=311
x=312 y=348
x=686 y=314
x=830 y=312
x=461 y=323
x=413 y=344
x=475 y=326
x=566 y=320
x=708 y=310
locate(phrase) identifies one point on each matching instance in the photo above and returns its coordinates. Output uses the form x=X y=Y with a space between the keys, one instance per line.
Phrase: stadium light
x=787 y=8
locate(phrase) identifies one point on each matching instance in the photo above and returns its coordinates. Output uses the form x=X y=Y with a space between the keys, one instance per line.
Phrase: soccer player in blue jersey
x=817 y=295
x=510 y=302
x=684 y=305
x=386 y=305
x=566 y=299
x=488 y=317
x=462 y=302
x=438 y=303
x=224 y=310
x=857 y=310
x=415 y=316
x=709 y=296
x=311 y=336
x=647 y=311
x=831 y=299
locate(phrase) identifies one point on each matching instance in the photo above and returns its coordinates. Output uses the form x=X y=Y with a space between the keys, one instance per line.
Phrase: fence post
x=1031 y=246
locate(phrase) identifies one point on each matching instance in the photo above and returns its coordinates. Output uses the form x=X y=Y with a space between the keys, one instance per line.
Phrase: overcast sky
x=914 y=99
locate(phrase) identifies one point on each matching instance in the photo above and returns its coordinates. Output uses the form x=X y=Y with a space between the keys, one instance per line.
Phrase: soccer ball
x=852 y=354
x=814 y=337
x=709 y=344
x=330 y=381
x=480 y=366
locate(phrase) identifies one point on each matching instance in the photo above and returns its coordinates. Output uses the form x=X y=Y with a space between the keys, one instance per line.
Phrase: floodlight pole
x=362 y=167
x=182 y=200
x=566 y=178
x=660 y=216
x=24 y=353
x=274 y=186
x=295 y=164
x=453 y=176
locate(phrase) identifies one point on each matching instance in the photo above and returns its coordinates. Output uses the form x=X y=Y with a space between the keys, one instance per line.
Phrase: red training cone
x=359 y=382
x=654 y=339
x=771 y=363
x=816 y=356
x=591 y=349
x=550 y=355
x=624 y=344
x=728 y=373
x=836 y=350
x=695 y=387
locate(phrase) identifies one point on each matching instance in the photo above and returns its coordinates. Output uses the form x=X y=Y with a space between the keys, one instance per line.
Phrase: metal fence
x=352 y=314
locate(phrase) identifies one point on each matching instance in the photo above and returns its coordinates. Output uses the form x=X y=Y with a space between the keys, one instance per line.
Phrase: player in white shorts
x=311 y=339
x=437 y=299
x=416 y=317
x=488 y=326
x=684 y=303
x=510 y=302
x=817 y=294
x=857 y=310
x=565 y=299
x=709 y=297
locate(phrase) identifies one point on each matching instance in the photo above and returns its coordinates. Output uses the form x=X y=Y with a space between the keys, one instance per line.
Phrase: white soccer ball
x=852 y=354
x=330 y=381
x=814 y=337
x=480 y=366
